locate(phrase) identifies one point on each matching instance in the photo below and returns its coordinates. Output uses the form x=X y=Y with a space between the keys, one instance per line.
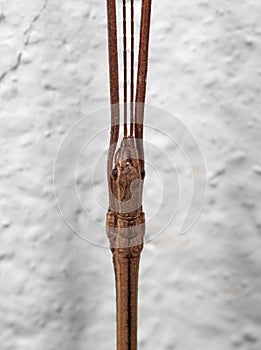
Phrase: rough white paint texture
x=199 y=291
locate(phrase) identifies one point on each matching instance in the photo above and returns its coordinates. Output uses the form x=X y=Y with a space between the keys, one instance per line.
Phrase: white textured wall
x=199 y=291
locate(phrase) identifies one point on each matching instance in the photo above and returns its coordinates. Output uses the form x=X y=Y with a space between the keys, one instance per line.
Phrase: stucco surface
x=200 y=290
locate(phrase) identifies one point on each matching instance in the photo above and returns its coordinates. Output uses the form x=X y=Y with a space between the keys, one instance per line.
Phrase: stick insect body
x=125 y=222
x=125 y=230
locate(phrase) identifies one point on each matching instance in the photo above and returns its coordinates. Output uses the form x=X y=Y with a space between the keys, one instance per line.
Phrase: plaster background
x=201 y=290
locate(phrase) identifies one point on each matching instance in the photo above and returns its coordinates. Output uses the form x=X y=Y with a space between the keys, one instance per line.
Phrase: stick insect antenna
x=132 y=70
x=125 y=88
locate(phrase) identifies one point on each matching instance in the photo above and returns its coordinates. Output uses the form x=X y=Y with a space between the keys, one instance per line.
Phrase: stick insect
x=125 y=223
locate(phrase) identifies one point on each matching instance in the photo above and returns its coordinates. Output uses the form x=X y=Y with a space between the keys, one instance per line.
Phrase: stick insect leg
x=142 y=75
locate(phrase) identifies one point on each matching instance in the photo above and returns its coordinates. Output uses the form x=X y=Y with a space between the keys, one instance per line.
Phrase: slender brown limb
x=142 y=75
x=114 y=71
x=114 y=84
x=132 y=70
x=125 y=88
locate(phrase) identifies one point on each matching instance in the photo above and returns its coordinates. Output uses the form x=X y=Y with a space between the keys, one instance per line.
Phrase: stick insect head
x=126 y=179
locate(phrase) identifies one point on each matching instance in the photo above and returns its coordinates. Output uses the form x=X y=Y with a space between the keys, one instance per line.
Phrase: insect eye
x=142 y=173
x=114 y=173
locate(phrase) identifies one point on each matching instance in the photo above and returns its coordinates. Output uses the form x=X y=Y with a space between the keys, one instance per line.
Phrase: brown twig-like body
x=125 y=219
x=125 y=229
